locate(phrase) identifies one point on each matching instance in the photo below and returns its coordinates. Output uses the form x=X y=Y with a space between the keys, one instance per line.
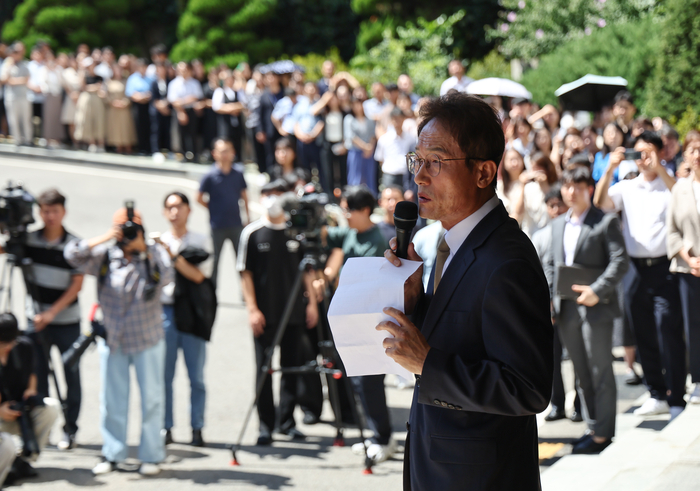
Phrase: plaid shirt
x=132 y=323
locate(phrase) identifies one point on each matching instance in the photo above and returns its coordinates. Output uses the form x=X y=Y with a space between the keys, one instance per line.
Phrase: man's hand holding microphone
x=408 y=347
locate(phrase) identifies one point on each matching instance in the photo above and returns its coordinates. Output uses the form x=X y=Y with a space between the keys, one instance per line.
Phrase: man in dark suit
x=480 y=338
x=590 y=240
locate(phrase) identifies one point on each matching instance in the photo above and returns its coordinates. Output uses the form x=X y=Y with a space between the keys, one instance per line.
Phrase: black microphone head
x=405 y=215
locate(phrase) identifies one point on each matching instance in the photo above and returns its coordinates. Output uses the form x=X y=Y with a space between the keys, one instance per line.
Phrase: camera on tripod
x=16 y=213
x=307 y=213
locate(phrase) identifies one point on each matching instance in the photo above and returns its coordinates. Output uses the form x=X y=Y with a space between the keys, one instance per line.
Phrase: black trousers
x=370 y=388
x=690 y=300
x=142 y=120
x=62 y=337
x=289 y=357
x=558 y=392
x=653 y=307
x=188 y=133
x=160 y=131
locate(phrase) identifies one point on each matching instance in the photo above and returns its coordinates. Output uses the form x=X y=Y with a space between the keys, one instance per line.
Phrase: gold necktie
x=443 y=253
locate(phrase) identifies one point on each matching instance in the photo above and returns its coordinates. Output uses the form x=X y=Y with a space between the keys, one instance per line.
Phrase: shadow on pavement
x=75 y=476
x=234 y=477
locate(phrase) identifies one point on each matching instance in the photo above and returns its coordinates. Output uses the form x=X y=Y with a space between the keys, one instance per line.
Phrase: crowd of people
x=611 y=203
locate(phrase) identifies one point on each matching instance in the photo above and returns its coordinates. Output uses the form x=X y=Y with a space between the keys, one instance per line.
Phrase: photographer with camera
x=22 y=411
x=131 y=276
x=268 y=261
x=53 y=288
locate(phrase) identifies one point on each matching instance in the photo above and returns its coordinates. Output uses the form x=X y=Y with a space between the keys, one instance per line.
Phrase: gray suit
x=587 y=331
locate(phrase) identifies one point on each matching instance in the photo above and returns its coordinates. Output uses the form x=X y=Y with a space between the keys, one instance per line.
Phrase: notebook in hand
x=575 y=275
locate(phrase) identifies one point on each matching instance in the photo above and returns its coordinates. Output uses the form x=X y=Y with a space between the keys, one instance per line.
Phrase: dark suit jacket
x=600 y=246
x=489 y=369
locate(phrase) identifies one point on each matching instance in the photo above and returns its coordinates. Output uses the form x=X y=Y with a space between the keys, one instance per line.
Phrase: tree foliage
x=225 y=31
x=132 y=25
x=627 y=49
x=675 y=85
x=420 y=49
x=470 y=42
x=530 y=28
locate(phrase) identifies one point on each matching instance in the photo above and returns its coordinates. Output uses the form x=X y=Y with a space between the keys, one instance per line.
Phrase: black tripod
x=25 y=267
x=309 y=263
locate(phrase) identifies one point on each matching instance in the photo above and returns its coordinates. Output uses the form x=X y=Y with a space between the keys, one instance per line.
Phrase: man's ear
x=486 y=172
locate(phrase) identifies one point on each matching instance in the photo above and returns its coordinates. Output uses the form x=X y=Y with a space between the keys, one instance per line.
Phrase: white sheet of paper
x=367 y=285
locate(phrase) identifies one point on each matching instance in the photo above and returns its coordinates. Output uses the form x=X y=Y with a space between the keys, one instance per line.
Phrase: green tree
x=225 y=31
x=470 y=41
x=127 y=25
x=318 y=26
x=420 y=49
x=627 y=49
x=675 y=84
x=531 y=28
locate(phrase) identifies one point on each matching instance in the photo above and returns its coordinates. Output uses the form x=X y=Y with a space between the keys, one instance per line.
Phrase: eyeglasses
x=433 y=163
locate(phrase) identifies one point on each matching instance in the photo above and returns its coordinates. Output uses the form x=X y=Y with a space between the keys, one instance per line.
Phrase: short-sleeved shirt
x=14 y=376
x=12 y=70
x=644 y=205
x=370 y=243
x=273 y=260
x=177 y=245
x=392 y=149
x=224 y=191
x=52 y=276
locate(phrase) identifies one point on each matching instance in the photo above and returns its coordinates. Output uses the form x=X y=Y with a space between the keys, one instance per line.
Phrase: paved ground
x=93 y=195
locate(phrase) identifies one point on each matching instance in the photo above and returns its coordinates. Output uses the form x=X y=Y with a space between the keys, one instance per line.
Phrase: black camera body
x=307 y=214
x=130 y=229
x=16 y=213
x=30 y=446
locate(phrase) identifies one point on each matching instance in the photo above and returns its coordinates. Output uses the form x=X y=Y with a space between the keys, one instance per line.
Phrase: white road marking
x=95 y=172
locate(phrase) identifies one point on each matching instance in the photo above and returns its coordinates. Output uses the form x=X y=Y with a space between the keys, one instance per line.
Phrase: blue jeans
x=194 y=350
x=114 y=401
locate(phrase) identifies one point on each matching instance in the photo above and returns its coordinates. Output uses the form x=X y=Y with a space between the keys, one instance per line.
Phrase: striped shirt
x=133 y=323
x=51 y=276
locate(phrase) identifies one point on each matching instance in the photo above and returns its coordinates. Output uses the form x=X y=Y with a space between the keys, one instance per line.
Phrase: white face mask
x=272 y=205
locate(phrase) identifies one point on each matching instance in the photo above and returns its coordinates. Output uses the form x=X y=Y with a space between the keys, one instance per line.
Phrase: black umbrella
x=589 y=93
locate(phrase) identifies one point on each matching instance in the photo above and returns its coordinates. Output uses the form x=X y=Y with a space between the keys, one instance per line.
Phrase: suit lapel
x=463 y=259
x=693 y=210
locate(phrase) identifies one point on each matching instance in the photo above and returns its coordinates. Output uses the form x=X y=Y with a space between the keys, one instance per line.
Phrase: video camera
x=16 y=213
x=307 y=213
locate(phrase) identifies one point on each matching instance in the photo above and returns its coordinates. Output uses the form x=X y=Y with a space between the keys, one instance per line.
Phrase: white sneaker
x=67 y=442
x=104 y=467
x=695 y=396
x=92 y=148
x=652 y=407
x=148 y=469
x=378 y=453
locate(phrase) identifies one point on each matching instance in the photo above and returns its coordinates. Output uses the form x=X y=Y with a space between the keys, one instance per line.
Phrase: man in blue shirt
x=138 y=89
x=224 y=187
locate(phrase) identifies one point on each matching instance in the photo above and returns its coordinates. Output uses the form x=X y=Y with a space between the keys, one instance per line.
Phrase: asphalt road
x=93 y=195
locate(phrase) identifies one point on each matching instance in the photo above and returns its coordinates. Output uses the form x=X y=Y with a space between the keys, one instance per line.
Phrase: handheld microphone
x=405 y=218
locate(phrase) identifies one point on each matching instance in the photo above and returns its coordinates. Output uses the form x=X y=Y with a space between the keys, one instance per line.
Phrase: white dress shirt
x=572 y=231
x=456 y=236
x=644 y=205
x=454 y=83
x=179 y=88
